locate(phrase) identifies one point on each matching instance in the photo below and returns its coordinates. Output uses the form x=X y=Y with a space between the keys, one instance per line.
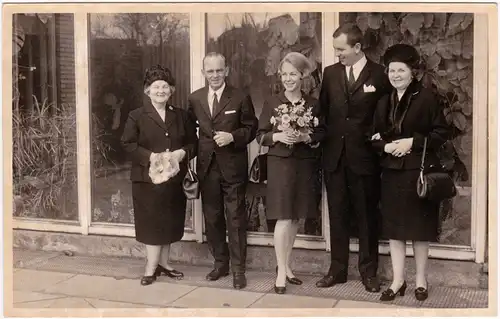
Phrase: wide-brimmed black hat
x=156 y=73
x=402 y=53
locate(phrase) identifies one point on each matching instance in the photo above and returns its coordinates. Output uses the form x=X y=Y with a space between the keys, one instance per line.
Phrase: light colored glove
x=178 y=155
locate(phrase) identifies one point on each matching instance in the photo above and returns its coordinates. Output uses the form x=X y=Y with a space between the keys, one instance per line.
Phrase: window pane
x=122 y=47
x=43 y=117
x=446 y=48
x=254 y=44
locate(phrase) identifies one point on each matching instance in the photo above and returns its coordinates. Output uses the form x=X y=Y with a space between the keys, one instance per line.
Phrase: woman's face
x=290 y=77
x=159 y=92
x=399 y=75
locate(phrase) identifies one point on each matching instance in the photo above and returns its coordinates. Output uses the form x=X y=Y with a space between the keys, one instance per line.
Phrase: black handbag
x=190 y=183
x=258 y=170
x=434 y=183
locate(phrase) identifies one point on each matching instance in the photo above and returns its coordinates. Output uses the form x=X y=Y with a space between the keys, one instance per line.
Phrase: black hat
x=156 y=73
x=402 y=53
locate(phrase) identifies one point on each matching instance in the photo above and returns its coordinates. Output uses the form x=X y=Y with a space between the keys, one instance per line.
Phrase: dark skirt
x=404 y=215
x=292 y=188
x=159 y=212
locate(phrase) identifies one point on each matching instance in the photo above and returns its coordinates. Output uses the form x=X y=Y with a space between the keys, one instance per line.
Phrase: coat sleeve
x=191 y=139
x=319 y=132
x=440 y=130
x=265 y=131
x=380 y=124
x=246 y=133
x=324 y=101
x=129 y=142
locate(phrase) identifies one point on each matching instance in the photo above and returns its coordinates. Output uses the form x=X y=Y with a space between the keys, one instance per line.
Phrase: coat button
x=347 y=118
x=166 y=134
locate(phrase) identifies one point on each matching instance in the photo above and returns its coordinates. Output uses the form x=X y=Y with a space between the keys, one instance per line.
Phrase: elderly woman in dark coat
x=159 y=137
x=403 y=119
x=292 y=162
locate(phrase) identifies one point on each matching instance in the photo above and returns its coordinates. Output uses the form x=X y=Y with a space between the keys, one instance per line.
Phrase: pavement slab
x=292 y=301
x=206 y=297
x=35 y=280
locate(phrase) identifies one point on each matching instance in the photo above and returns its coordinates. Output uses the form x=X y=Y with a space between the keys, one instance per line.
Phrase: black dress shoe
x=421 y=293
x=372 y=284
x=239 y=281
x=160 y=270
x=279 y=290
x=390 y=295
x=217 y=273
x=329 y=281
x=148 y=280
x=292 y=280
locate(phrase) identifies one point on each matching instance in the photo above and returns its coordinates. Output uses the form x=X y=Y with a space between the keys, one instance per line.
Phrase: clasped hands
x=396 y=148
x=290 y=138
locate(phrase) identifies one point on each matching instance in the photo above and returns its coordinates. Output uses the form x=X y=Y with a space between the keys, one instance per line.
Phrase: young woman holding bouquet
x=291 y=126
x=159 y=137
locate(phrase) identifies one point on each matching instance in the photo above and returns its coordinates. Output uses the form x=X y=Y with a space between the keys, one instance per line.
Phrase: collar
x=358 y=66
x=219 y=91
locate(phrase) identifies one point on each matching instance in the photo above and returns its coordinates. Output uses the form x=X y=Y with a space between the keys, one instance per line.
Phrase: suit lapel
x=363 y=76
x=223 y=101
x=343 y=80
x=153 y=114
x=169 y=116
x=204 y=102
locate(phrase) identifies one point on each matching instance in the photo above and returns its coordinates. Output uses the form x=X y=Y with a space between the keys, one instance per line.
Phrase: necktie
x=351 y=79
x=215 y=104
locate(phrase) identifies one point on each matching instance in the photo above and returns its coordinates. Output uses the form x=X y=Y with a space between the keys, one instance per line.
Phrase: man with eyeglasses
x=227 y=124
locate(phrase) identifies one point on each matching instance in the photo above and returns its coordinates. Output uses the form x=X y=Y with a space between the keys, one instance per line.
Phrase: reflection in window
x=43 y=116
x=445 y=42
x=254 y=44
x=122 y=47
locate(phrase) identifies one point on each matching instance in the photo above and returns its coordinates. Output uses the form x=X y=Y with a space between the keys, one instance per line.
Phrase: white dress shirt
x=211 y=96
x=357 y=67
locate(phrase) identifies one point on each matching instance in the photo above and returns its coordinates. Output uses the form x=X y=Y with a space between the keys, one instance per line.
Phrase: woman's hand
x=403 y=146
x=285 y=138
x=376 y=137
x=390 y=148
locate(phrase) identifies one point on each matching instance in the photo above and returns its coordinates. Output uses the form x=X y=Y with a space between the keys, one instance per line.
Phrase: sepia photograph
x=191 y=159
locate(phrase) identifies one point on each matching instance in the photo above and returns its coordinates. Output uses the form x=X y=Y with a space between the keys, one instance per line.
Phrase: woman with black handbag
x=407 y=121
x=160 y=139
x=291 y=126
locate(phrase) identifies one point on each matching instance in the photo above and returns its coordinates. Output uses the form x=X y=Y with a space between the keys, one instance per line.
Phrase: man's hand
x=285 y=138
x=403 y=146
x=223 y=138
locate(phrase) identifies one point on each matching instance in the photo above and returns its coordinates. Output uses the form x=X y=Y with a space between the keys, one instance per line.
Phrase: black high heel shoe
x=390 y=295
x=160 y=270
x=422 y=293
x=148 y=280
x=279 y=290
x=291 y=280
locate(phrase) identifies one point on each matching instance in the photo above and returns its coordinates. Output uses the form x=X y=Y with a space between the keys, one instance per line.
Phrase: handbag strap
x=422 y=162
x=260 y=146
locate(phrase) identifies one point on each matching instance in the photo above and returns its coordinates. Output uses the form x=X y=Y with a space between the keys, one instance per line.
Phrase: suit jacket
x=417 y=115
x=349 y=116
x=145 y=132
x=266 y=129
x=235 y=115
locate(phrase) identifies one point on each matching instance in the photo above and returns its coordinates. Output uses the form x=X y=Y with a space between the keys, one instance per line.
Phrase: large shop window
x=122 y=47
x=44 y=117
x=445 y=42
x=254 y=44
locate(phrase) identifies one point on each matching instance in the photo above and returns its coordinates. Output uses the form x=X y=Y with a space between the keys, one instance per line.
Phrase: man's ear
x=357 y=47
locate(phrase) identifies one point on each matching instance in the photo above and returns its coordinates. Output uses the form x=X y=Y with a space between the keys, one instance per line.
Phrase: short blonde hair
x=299 y=61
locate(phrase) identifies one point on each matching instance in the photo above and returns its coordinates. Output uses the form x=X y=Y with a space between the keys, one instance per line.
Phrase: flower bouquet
x=294 y=118
x=163 y=167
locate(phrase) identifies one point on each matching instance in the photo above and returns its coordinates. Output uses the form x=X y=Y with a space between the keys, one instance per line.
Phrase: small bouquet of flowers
x=163 y=167
x=294 y=118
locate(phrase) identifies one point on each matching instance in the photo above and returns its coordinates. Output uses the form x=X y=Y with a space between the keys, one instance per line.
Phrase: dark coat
x=235 y=115
x=417 y=115
x=349 y=116
x=145 y=132
x=266 y=129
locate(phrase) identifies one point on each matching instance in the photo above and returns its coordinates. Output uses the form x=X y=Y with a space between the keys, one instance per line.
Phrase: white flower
x=273 y=120
x=316 y=121
x=301 y=122
x=286 y=125
x=285 y=119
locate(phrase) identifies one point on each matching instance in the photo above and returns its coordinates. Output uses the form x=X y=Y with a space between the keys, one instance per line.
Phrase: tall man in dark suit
x=348 y=97
x=227 y=124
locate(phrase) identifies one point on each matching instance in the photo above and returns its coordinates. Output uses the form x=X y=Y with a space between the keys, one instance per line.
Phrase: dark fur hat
x=402 y=53
x=156 y=73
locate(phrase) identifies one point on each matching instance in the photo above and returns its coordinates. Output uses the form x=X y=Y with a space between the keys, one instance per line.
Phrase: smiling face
x=400 y=75
x=159 y=92
x=215 y=71
x=290 y=77
x=347 y=54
